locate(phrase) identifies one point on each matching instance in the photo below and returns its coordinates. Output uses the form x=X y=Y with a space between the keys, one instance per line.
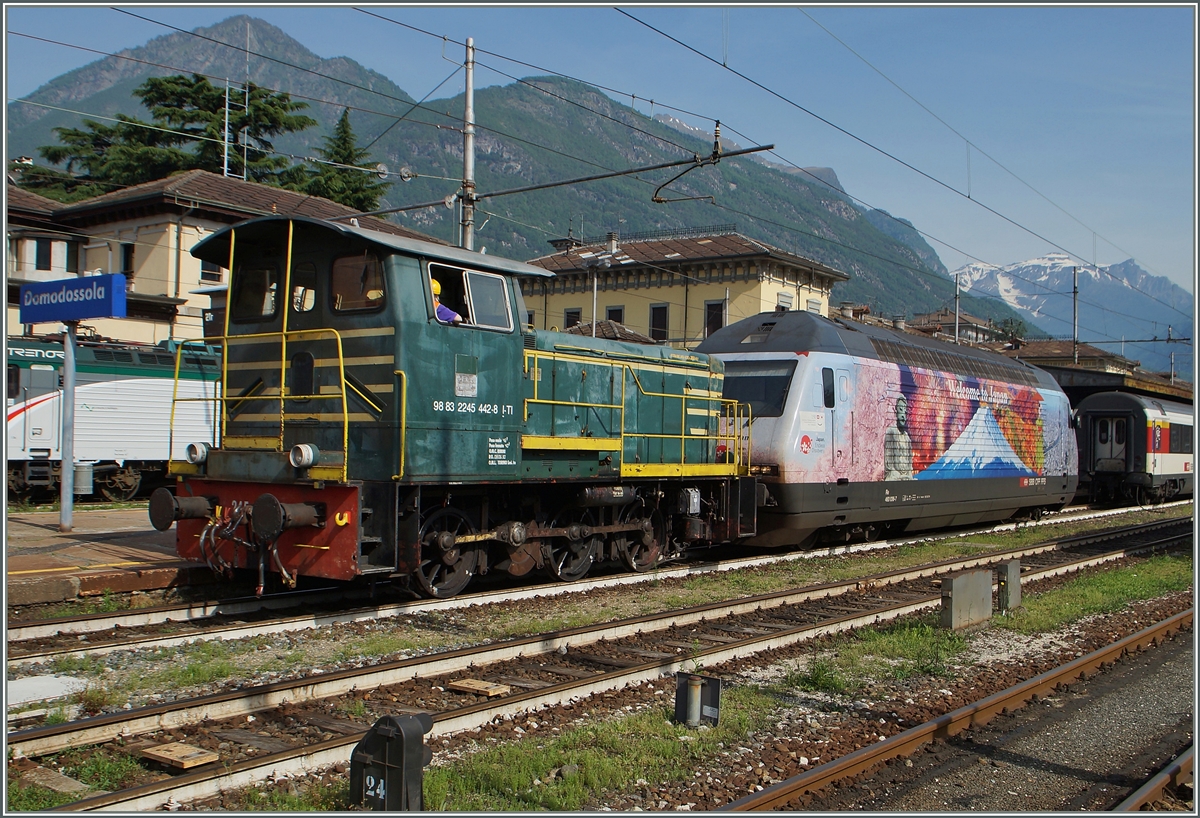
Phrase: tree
x=195 y=107
x=1014 y=329
x=186 y=134
x=338 y=177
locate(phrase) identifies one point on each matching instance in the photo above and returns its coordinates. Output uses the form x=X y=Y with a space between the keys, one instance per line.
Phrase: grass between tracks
x=564 y=771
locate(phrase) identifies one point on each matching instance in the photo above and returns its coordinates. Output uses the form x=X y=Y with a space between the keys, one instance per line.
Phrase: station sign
x=72 y=299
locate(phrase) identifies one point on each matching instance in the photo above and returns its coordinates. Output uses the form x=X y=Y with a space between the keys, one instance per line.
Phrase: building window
x=784 y=300
x=529 y=318
x=572 y=317
x=41 y=254
x=814 y=305
x=714 y=316
x=616 y=314
x=658 y=322
x=127 y=259
x=72 y=257
x=210 y=271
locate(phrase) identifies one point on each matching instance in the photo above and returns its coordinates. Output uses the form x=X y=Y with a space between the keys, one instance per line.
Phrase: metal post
x=956 y=308
x=1075 y=310
x=225 y=134
x=67 y=442
x=467 y=238
x=595 y=288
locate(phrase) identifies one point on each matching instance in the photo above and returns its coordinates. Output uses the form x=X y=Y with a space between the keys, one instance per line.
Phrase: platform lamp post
x=68 y=301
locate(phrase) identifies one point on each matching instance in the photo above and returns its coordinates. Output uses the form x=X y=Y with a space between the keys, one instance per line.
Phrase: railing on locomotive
x=222 y=399
x=727 y=433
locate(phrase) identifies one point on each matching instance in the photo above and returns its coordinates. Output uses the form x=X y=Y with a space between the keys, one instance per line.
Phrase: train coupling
x=269 y=517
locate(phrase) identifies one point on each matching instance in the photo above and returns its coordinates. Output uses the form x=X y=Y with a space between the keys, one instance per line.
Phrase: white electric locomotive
x=1134 y=448
x=861 y=431
x=123 y=410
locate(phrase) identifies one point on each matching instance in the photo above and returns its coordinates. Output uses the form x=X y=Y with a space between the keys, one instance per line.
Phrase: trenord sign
x=70 y=299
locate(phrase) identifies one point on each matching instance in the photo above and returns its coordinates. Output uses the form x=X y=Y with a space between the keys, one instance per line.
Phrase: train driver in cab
x=443 y=313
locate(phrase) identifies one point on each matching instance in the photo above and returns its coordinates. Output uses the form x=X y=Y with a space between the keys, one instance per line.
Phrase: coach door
x=1109 y=441
x=42 y=423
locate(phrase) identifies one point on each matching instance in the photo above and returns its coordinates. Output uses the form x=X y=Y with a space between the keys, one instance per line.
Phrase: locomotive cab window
x=762 y=384
x=254 y=293
x=827 y=386
x=14 y=381
x=488 y=297
x=453 y=296
x=356 y=283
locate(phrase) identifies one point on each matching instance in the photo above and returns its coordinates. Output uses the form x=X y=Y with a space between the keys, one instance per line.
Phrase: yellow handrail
x=283 y=397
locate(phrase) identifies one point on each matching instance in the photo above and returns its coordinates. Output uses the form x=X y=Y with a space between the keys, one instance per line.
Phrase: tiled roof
x=657 y=252
x=1050 y=349
x=612 y=331
x=236 y=197
x=22 y=200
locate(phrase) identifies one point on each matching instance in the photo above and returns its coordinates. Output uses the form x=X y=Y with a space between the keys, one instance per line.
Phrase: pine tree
x=186 y=133
x=341 y=175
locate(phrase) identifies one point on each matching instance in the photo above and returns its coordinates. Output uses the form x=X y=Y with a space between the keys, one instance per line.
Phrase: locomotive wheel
x=635 y=552
x=443 y=572
x=122 y=485
x=570 y=560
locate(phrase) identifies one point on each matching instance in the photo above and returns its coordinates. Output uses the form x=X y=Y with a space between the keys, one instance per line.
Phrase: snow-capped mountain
x=1121 y=301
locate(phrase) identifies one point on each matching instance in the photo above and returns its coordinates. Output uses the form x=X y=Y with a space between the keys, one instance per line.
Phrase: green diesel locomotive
x=367 y=430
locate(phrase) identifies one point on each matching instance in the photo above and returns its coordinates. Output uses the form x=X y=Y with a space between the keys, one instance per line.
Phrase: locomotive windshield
x=762 y=384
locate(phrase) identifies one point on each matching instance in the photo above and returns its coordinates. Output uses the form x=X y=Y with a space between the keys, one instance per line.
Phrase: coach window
x=1119 y=432
x=254 y=293
x=1102 y=430
x=357 y=283
x=488 y=297
x=14 y=381
x=304 y=287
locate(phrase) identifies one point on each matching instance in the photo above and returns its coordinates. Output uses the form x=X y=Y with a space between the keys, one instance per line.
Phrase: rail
x=728 y=438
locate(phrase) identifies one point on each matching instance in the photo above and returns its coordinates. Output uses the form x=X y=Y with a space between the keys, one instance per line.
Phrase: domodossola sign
x=70 y=299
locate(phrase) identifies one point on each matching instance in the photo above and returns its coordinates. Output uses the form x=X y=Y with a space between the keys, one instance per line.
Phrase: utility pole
x=1075 y=310
x=66 y=483
x=957 y=307
x=225 y=137
x=467 y=235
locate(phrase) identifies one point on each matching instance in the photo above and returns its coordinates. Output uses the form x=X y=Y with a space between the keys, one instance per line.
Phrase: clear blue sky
x=1094 y=107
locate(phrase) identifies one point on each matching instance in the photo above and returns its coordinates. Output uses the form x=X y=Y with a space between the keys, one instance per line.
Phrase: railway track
x=535 y=672
x=789 y=794
x=169 y=625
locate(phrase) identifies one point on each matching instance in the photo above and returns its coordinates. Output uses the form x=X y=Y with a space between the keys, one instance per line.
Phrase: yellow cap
x=437 y=288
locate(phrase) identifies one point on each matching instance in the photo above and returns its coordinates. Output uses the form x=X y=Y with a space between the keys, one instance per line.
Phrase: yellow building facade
x=677 y=288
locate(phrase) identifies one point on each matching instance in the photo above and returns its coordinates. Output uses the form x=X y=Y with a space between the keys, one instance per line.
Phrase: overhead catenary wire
x=876 y=148
x=505 y=135
x=970 y=144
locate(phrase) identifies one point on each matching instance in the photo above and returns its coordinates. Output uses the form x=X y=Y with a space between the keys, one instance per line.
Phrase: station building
x=676 y=287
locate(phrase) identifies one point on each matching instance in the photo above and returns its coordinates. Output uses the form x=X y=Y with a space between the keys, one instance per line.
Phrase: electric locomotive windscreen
x=762 y=384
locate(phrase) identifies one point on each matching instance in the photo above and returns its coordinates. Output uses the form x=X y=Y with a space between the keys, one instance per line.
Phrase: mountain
x=535 y=131
x=1121 y=301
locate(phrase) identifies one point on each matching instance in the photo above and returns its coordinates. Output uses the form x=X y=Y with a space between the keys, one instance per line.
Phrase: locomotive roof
x=1116 y=401
x=798 y=331
x=215 y=248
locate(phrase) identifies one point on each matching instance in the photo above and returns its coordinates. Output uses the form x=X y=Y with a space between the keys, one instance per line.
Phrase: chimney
x=898 y=322
x=612 y=243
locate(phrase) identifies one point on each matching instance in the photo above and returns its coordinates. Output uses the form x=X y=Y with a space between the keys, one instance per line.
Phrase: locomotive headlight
x=303 y=455
x=197 y=453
